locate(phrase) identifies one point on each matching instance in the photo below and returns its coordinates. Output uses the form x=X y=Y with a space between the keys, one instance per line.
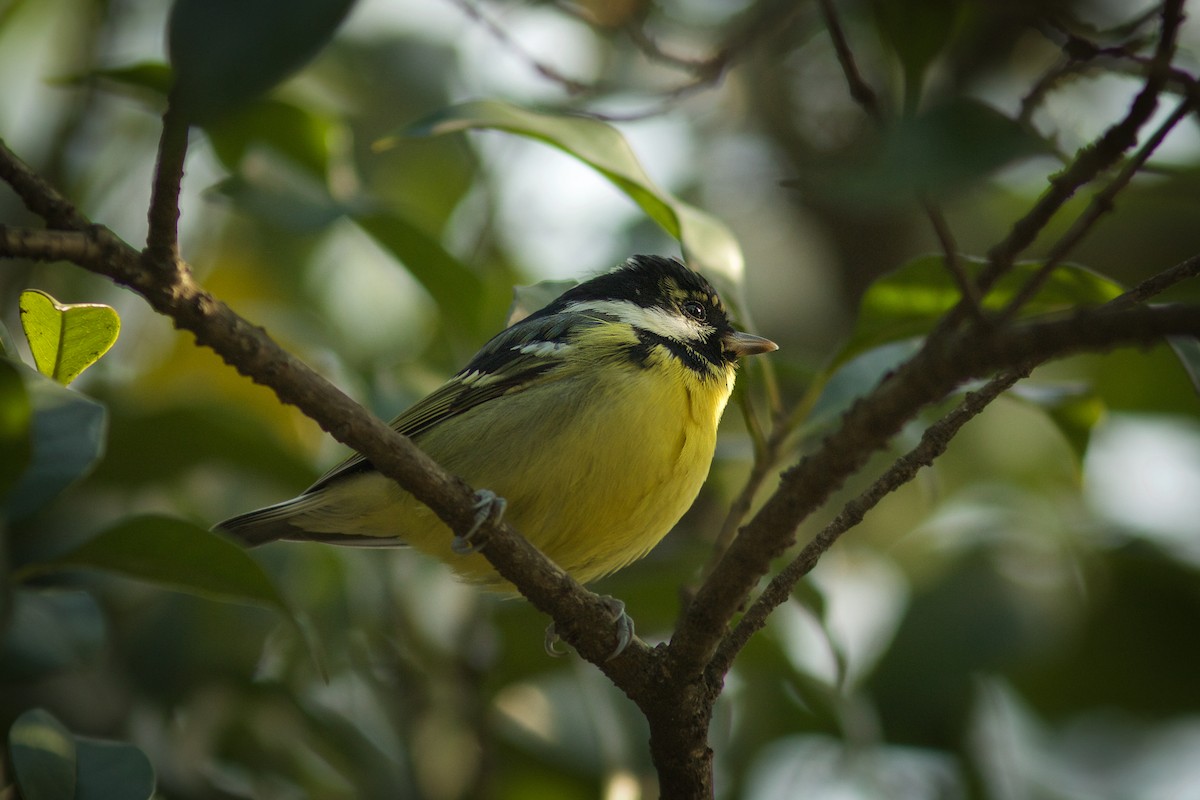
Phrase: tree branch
x=162 y=238
x=580 y=617
x=1101 y=204
x=942 y=364
x=933 y=444
x=1091 y=160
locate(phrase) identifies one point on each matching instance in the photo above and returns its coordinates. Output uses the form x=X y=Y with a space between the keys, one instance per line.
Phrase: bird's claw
x=621 y=620
x=488 y=506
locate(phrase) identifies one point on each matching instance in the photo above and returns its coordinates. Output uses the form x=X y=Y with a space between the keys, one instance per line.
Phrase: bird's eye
x=694 y=309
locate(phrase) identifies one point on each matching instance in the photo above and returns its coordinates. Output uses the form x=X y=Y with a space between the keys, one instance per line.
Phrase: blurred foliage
x=1016 y=622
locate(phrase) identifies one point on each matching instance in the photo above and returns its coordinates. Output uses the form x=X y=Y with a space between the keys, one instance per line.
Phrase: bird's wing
x=514 y=359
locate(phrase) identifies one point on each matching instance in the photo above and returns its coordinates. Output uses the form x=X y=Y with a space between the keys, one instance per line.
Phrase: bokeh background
x=1023 y=621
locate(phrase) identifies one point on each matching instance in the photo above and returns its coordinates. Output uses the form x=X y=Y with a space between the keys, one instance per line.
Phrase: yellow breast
x=599 y=481
x=595 y=470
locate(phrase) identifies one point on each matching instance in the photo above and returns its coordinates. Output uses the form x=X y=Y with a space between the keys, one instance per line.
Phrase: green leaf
x=112 y=771
x=53 y=764
x=6 y=342
x=66 y=339
x=299 y=134
x=934 y=152
x=149 y=80
x=49 y=630
x=916 y=30
x=528 y=299
x=1074 y=409
x=1188 y=353
x=706 y=241
x=174 y=554
x=909 y=301
x=68 y=434
x=227 y=52
x=16 y=419
x=283 y=195
x=43 y=756
x=457 y=289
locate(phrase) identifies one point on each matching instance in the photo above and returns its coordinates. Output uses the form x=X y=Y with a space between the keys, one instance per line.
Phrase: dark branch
x=1091 y=160
x=933 y=444
x=1101 y=204
x=580 y=617
x=162 y=238
x=942 y=365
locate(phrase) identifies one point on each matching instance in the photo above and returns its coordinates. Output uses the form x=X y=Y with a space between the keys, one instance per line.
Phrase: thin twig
x=1088 y=163
x=572 y=86
x=1101 y=204
x=950 y=258
x=759 y=470
x=935 y=371
x=37 y=194
x=1156 y=285
x=865 y=96
x=860 y=90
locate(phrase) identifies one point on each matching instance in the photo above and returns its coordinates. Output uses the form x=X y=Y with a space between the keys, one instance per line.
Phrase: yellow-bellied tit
x=594 y=418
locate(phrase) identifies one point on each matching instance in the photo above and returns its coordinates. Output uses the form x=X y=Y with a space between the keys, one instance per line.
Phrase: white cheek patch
x=656 y=320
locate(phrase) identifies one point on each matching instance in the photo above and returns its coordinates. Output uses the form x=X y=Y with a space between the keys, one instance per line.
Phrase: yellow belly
x=615 y=470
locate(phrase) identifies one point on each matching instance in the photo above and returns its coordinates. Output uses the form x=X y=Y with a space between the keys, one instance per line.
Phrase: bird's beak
x=747 y=344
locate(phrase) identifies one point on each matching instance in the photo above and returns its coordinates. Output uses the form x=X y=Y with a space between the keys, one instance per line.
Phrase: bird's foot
x=621 y=620
x=489 y=506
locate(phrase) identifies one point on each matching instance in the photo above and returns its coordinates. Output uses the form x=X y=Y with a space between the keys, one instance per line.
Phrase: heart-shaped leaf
x=66 y=339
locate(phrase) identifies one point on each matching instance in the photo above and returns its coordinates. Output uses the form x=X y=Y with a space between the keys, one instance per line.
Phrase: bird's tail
x=266 y=524
x=292 y=520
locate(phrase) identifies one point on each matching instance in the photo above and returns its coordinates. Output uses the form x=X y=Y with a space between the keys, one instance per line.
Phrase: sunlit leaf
x=43 y=756
x=68 y=434
x=50 y=630
x=706 y=241
x=909 y=301
x=66 y=339
x=226 y=52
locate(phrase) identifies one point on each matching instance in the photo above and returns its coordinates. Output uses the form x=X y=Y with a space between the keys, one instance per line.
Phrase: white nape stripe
x=672 y=325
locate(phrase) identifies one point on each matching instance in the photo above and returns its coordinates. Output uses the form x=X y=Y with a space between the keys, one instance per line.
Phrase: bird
x=590 y=424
